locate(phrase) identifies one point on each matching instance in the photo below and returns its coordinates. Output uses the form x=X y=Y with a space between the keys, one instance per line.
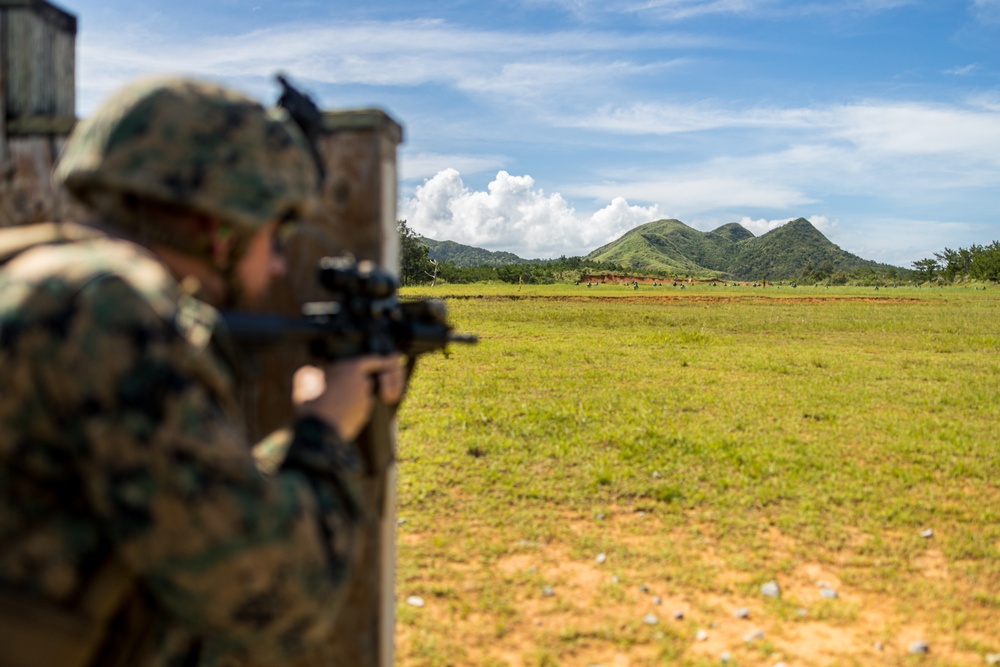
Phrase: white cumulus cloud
x=515 y=215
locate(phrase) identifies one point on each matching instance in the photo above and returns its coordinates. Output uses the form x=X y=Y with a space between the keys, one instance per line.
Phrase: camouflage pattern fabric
x=120 y=435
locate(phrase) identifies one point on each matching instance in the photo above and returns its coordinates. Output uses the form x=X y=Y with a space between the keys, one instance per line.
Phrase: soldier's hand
x=392 y=379
x=343 y=393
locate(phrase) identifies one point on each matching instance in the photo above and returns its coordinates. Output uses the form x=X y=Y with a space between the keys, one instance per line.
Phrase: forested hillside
x=664 y=249
x=792 y=251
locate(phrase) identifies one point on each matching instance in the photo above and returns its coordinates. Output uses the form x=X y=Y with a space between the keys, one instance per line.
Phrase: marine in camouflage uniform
x=135 y=527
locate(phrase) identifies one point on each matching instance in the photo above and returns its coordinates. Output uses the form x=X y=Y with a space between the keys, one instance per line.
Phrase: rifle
x=364 y=316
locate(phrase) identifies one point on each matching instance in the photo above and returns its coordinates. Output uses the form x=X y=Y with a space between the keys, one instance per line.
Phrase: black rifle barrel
x=336 y=337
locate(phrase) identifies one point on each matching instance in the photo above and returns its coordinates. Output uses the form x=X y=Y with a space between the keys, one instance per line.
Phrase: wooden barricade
x=357 y=216
x=37 y=107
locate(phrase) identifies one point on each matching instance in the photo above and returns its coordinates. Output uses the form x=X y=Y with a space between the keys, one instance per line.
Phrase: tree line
x=417 y=268
x=976 y=262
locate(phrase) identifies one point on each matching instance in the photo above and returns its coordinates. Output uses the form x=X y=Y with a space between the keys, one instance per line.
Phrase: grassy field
x=611 y=474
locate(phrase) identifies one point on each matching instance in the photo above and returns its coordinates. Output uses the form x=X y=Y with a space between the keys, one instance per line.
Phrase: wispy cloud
x=425 y=165
x=877 y=129
x=401 y=53
x=987 y=11
x=676 y=10
x=694 y=189
x=964 y=70
x=680 y=10
x=576 y=77
x=899 y=241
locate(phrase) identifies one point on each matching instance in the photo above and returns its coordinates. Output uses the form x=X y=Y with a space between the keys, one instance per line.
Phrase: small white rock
x=701 y=635
x=879 y=646
x=742 y=612
x=753 y=636
x=614 y=579
x=920 y=648
x=726 y=656
x=415 y=601
x=828 y=593
x=771 y=589
x=657 y=600
x=927 y=534
x=601 y=558
x=650 y=619
x=993 y=659
x=548 y=591
x=679 y=615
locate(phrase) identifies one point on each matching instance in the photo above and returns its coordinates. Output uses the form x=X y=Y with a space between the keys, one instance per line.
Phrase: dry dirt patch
x=561 y=607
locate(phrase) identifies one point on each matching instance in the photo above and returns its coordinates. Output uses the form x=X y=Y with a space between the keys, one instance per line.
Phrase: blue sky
x=550 y=127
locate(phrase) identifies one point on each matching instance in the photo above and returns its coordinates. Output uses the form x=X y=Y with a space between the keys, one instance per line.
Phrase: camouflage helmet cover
x=193 y=144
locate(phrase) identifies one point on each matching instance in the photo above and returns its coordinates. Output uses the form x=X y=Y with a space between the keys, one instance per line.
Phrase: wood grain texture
x=356 y=215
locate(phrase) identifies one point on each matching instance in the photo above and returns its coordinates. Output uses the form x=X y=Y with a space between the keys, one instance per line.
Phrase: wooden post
x=357 y=216
x=37 y=107
x=360 y=214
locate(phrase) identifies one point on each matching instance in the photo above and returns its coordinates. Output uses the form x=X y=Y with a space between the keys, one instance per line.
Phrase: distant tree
x=926 y=269
x=985 y=262
x=415 y=265
x=954 y=263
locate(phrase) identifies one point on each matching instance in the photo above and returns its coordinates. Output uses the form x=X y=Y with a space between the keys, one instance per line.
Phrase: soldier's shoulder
x=57 y=268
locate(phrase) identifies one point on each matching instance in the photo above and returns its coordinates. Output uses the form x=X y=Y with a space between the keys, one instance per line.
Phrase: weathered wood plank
x=37 y=108
x=357 y=215
x=41 y=125
x=26 y=192
x=3 y=88
x=64 y=73
x=37 y=59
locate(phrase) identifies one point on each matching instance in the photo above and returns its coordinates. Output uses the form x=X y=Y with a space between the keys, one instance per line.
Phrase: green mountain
x=465 y=255
x=669 y=246
x=784 y=251
x=676 y=250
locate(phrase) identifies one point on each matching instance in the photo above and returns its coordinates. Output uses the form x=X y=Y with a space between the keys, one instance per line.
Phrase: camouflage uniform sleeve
x=253 y=562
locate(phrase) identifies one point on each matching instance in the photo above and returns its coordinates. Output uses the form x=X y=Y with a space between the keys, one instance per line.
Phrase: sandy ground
x=592 y=619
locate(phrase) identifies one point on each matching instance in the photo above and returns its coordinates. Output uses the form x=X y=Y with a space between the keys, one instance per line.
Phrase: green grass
x=846 y=419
